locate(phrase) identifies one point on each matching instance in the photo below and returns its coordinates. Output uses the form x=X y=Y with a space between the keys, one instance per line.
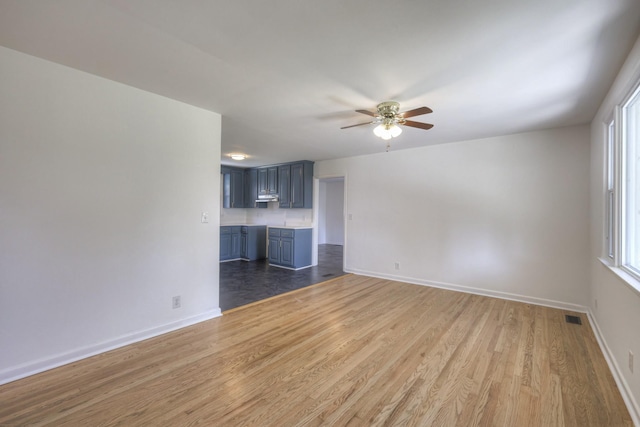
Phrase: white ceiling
x=287 y=74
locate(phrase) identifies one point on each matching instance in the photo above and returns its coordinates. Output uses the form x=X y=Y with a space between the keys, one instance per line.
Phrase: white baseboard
x=32 y=368
x=477 y=291
x=627 y=396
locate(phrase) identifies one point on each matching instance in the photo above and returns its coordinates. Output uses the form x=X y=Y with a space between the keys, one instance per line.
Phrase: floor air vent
x=573 y=319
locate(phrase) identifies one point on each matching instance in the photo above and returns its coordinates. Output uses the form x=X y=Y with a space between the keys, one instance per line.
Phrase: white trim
x=623 y=387
x=630 y=280
x=32 y=368
x=478 y=291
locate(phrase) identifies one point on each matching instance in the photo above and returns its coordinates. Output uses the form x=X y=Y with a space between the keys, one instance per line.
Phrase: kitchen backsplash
x=270 y=216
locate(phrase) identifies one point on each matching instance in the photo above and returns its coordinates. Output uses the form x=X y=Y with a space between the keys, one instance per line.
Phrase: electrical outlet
x=205 y=217
x=630 y=361
x=176 y=302
x=397 y=266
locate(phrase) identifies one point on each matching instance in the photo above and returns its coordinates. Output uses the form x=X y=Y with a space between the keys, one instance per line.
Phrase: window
x=622 y=194
x=630 y=174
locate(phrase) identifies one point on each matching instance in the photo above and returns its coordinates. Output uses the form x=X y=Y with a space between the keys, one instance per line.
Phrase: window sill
x=627 y=278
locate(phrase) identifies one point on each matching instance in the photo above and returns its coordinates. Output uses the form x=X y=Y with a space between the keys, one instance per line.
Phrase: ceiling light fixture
x=388 y=119
x=238 y=156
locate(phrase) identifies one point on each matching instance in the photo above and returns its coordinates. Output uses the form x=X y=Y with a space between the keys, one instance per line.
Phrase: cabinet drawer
x=274 y=232
x=225 y=230
x=235 y=230
x=287 y=233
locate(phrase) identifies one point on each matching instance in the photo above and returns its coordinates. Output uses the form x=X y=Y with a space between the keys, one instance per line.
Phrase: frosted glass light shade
x=386 y=131
x=379 y=130
x=395 y=130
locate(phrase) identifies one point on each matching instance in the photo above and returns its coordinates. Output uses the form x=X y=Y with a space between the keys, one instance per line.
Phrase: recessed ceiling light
x=238 y=156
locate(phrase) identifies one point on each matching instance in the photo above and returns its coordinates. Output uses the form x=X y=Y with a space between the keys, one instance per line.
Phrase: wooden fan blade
x=359 y=124
x=368 y=113
x=425 y=126
x=416 y=112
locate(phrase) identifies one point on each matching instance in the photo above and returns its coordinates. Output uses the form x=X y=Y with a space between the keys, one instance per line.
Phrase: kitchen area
x=266 y=234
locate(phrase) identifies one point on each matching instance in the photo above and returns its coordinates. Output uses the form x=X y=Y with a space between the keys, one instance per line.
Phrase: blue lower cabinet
x=225 y=243
x=290 y=248
x=254 y=242
x=243 y=242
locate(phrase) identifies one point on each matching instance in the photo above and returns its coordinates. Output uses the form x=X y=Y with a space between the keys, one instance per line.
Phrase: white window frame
x=614 y=232
x=624 y=251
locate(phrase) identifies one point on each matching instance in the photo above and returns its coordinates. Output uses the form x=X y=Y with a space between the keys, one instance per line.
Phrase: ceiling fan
x=388 y=117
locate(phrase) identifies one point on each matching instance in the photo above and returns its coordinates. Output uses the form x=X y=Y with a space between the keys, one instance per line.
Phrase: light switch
x=205 y=217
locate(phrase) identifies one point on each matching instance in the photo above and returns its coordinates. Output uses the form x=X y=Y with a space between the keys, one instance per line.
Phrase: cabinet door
x=297 y=185
x=272 y=180
x=233 y=188
x=250 y=193
x=237 y=188
x=225 y=246
x=226 y=190
x=284 y=176
x=263 y=181
x=244 y=245
x=251 y=189
x=274 y=250
x=287 y=251
x=235 y=245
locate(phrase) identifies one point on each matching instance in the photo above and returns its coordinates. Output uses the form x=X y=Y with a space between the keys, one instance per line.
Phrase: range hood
x=265 y=198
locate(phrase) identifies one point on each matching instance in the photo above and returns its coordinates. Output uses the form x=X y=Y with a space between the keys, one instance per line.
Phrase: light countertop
x=288 y=227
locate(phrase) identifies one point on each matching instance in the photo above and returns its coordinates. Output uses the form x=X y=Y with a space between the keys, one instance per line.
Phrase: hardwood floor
x=351 y=351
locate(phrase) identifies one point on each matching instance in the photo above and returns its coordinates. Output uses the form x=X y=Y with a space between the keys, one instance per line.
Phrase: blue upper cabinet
x=284 y=179
x=291 y=182
x=302 y=185
x=296 y=185
x=233 y=187
x=268 y=180
x=251 y=189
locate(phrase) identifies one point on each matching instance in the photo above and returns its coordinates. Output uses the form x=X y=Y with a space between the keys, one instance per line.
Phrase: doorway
x=331 y=217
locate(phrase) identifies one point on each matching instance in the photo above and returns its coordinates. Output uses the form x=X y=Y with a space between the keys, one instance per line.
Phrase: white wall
x=101 y=190
x=322 y=212
x=505 y=216
x=331 y=212
x=618 y=310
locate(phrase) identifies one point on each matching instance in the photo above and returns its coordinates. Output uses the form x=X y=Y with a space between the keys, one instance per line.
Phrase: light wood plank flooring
x=351 y=351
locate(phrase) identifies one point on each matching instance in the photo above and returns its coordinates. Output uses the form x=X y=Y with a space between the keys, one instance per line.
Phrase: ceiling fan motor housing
x=388 y=109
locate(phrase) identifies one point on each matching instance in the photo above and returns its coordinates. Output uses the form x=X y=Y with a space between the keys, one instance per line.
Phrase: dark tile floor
x=243 y=282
